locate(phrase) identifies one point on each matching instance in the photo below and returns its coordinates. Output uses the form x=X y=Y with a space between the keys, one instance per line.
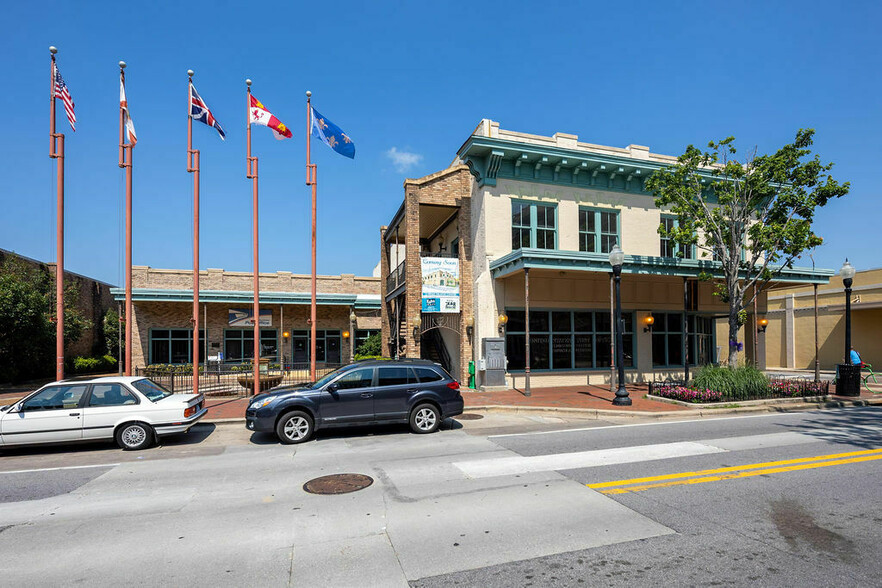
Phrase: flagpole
x=311 y=170
x=193 y=168
x=252 y=175
x=56 y=152
x=125 y=161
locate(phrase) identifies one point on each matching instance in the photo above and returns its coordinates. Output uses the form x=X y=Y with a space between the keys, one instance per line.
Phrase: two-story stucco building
x=523 y=211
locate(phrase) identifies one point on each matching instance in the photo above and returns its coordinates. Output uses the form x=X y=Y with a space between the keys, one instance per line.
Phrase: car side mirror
x=332 y=388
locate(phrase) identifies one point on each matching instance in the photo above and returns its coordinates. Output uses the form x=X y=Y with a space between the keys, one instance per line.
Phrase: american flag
x=62 y=92
x=199 y=111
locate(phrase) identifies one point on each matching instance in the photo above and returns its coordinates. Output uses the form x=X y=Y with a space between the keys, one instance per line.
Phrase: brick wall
x=218 y=279
x=449 y=187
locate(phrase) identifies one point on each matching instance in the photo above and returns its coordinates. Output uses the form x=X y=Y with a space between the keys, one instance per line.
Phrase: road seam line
x=102 y=465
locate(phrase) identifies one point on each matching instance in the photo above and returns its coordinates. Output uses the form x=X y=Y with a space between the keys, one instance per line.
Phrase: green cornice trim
x=360 y=301
x=490 y=158
x=520 y=259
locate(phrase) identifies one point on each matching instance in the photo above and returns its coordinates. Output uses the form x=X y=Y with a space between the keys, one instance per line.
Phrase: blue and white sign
x=440 y=284
x=241 y=317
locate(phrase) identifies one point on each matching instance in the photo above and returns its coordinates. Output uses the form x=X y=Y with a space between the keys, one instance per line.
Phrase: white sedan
x=134 y=411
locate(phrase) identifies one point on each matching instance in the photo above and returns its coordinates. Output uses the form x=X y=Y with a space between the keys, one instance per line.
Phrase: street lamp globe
x=616 y=256
x=847 y=271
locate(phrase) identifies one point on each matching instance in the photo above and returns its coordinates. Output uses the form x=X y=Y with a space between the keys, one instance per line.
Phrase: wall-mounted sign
x=440 y=284
x=242 y=317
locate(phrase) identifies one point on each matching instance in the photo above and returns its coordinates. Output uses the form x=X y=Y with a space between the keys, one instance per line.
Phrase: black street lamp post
x=849 y=381
x=616 y=258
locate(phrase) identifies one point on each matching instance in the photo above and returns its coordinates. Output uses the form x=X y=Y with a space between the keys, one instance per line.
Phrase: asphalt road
x=787 y=499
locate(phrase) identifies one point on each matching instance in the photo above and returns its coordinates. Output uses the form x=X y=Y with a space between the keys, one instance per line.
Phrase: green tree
x=25 y=331
x=111 y=329
x=753 y=216
x=372 y=346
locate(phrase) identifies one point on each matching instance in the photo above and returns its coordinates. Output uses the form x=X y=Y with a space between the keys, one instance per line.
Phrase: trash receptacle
x=848 y=383
x=472 y=375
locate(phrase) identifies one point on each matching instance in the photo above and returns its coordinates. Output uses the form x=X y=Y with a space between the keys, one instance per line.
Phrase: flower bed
x=776 y=388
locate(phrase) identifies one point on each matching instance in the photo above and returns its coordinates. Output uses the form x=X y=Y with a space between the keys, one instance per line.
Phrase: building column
x=790 y=330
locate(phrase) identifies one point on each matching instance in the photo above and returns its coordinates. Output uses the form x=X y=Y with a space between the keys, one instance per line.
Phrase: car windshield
x=327 y=378
x=151 y=389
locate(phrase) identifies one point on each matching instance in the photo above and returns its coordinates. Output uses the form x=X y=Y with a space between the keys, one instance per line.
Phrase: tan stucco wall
x=793 y=332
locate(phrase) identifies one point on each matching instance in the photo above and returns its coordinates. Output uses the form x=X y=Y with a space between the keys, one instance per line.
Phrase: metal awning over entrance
x=554 y=259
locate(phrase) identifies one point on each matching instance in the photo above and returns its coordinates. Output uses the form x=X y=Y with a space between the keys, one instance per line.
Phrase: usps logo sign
x=440 y=284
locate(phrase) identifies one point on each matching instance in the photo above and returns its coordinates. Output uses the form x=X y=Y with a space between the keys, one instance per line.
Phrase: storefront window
x=174 y=345
x=565 y=339
x=667 y=339
x=239 y=344
x=327 y=346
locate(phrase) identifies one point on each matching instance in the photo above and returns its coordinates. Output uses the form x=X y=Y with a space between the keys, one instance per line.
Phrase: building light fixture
x=649 y=320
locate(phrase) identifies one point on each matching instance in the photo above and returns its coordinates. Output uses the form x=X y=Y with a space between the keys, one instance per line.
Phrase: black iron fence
x=396 y=277
x=231 y=380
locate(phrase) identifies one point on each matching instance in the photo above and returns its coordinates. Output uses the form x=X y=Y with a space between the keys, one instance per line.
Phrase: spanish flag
x=258 y=114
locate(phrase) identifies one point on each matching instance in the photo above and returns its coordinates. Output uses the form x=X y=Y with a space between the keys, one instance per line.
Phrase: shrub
x=687 y=394
x=360 y=357
x=740 y=383
x=372 y=347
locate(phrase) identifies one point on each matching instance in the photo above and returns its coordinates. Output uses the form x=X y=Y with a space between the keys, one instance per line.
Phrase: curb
x=598 y=413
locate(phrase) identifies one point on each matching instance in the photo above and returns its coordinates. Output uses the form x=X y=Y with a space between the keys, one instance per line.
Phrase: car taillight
x=454 y=385
x=189 y=411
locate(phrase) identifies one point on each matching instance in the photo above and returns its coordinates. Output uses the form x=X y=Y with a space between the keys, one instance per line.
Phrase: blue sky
x=408 y=81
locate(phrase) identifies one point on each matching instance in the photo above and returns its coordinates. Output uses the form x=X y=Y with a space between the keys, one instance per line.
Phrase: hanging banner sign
x=440 y=284
x=241 y=317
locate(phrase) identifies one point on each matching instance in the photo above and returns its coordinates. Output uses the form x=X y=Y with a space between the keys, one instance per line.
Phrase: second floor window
x=670 y=248
x=598 y=230
x=533 y=225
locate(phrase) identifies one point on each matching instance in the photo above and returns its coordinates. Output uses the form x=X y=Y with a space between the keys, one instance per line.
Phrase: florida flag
x=258 y=114
x=199 y=111
x=127 y=120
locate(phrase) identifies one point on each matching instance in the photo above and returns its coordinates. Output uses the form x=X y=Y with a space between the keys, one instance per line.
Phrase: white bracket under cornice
x=557 y=167
x=542 y=161
x=578 y=168
x=517 y=166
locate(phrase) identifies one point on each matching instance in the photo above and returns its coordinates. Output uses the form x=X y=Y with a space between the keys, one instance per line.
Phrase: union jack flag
x=199 y=111
x=62 y=92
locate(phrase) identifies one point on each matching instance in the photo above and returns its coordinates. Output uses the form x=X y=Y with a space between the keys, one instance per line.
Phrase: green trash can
x=472 y=375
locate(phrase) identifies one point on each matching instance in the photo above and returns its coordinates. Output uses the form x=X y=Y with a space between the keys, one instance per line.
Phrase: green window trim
x=540 y=226
x=667 y=339
x=173 y=339
x=668 y=247
x=595 y=235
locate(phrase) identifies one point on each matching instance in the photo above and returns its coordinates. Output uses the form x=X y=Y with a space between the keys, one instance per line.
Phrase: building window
x=565 y=339
x=454 y=247
x=533 y=225
x=598 y=230
x=174 y=346
x=239 y=344
x=667 y=339
x=670 y=248
x=361 y=336
x=327 y=346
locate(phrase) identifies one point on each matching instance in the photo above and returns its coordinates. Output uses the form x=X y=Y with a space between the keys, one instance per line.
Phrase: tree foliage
x=753 y=216
x=27 y=321
x=111 y=328
x=371 y=347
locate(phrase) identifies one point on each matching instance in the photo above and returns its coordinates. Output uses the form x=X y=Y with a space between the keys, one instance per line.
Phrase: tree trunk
x=733 y=336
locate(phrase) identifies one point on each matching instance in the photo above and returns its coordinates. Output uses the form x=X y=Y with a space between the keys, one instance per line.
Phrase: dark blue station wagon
x=418 y=392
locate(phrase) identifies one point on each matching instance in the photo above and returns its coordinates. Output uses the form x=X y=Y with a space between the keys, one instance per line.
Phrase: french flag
x=199 y=111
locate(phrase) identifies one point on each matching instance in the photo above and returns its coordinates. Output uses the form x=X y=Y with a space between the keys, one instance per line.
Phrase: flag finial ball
x=122 y=64
x=248 y=82
x=52 y=49
x=308 y=94
x=190 y=72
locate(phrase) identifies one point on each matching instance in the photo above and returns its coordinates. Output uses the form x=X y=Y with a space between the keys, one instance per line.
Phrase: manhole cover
x=469 y=416
x=338 y=484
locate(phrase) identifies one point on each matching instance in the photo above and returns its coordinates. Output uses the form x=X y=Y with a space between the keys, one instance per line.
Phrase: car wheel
x=134 y=436
x=425 y=418
x=295 y=427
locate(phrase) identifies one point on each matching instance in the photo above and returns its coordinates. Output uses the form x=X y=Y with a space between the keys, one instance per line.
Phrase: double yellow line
x=731 y=473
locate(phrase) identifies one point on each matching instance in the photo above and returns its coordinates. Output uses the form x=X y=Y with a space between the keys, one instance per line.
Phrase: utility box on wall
x=494 y=362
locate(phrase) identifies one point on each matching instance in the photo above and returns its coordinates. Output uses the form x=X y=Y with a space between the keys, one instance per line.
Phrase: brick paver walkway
x=586 y=397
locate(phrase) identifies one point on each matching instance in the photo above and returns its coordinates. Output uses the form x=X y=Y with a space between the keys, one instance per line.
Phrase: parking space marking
x=97 y=465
